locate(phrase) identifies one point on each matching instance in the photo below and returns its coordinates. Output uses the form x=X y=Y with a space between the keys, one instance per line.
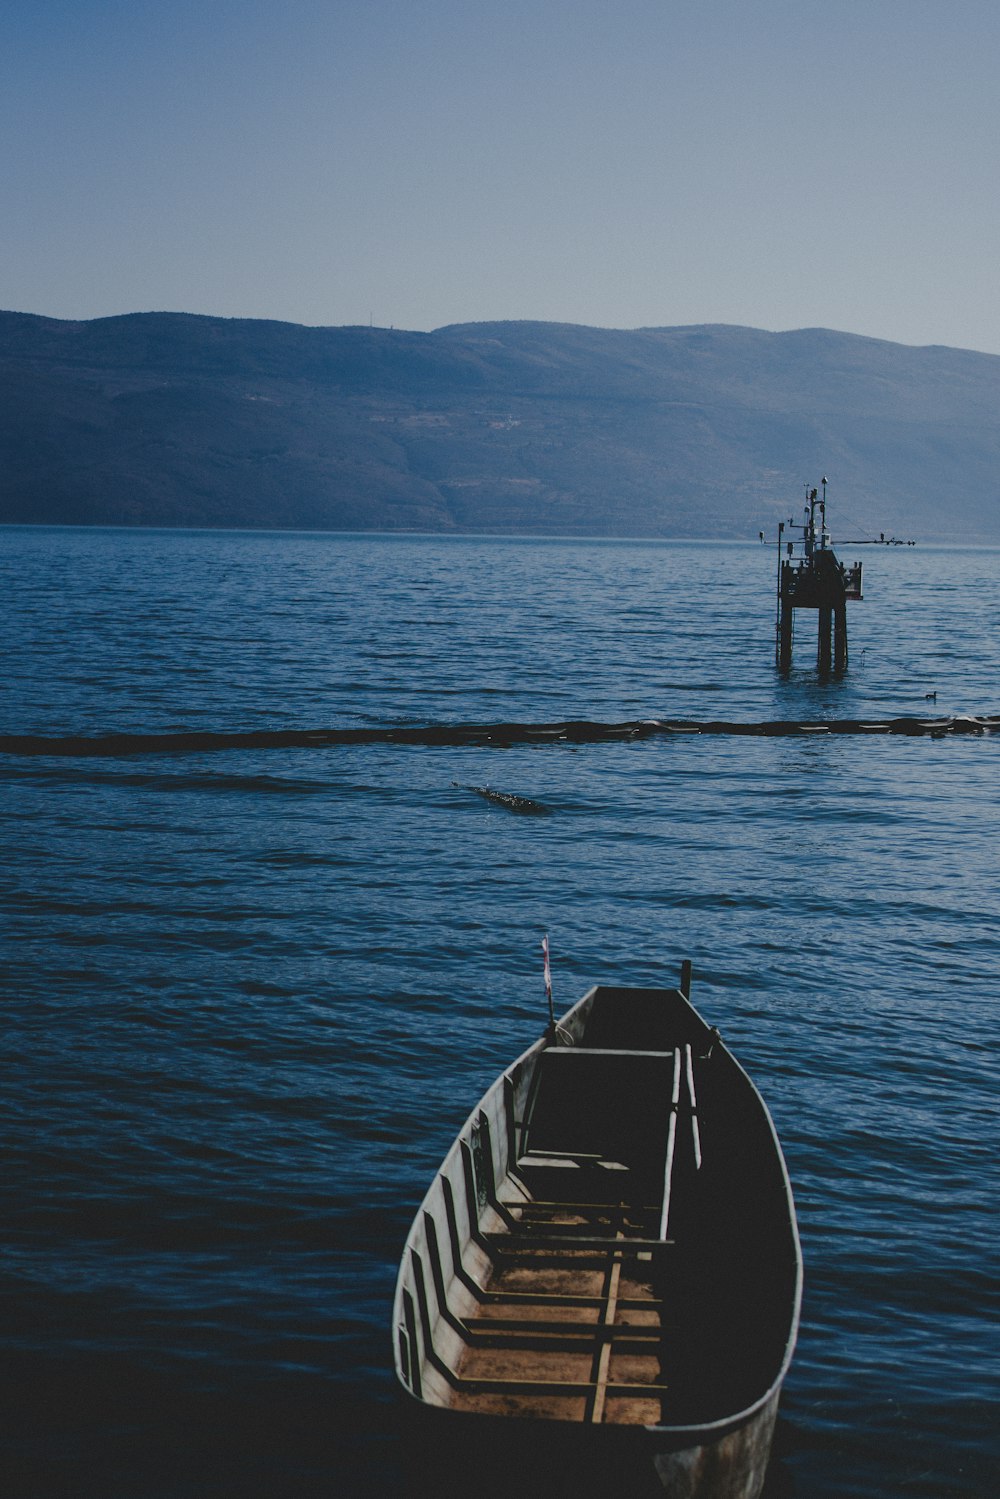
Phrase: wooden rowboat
x=610 y=1247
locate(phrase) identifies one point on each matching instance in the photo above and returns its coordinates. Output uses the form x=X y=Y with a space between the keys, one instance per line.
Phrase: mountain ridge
x=182 y=419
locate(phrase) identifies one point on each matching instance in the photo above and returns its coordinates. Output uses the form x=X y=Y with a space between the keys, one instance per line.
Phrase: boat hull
x=733 y=1466
x=556 y=1458
x=607 y=1264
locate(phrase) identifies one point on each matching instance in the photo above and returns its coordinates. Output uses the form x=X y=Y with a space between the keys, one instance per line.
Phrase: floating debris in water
x=507 y=799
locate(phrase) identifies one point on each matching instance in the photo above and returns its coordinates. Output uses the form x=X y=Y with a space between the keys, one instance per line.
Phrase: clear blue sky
x=625 y=163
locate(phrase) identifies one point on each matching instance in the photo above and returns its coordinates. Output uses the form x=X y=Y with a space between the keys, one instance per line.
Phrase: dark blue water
x=249 y=996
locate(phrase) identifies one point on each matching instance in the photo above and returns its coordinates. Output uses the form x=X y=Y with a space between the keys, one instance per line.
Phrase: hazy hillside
x=173 y=420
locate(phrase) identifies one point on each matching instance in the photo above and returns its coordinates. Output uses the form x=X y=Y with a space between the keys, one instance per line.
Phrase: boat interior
x=594 y=1248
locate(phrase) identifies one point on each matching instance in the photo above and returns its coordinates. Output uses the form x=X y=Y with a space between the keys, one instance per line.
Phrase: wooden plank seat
x=491 y=1296
x=555 y=1337
x=562 y=1231
x=548 y=1206
x=588 y=1052
x=618 y=1214
x=567 y=1157
x=579 y=1331
x=520 y=1243
x=566 y=1160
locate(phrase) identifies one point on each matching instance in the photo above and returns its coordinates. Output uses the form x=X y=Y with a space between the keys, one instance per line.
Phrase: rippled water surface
x=249 y=996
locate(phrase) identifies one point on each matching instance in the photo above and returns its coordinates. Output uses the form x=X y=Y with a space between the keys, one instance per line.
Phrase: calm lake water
x=249 y=996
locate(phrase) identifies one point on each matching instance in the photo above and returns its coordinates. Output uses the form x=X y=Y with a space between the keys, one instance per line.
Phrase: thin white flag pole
x=548 y=980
